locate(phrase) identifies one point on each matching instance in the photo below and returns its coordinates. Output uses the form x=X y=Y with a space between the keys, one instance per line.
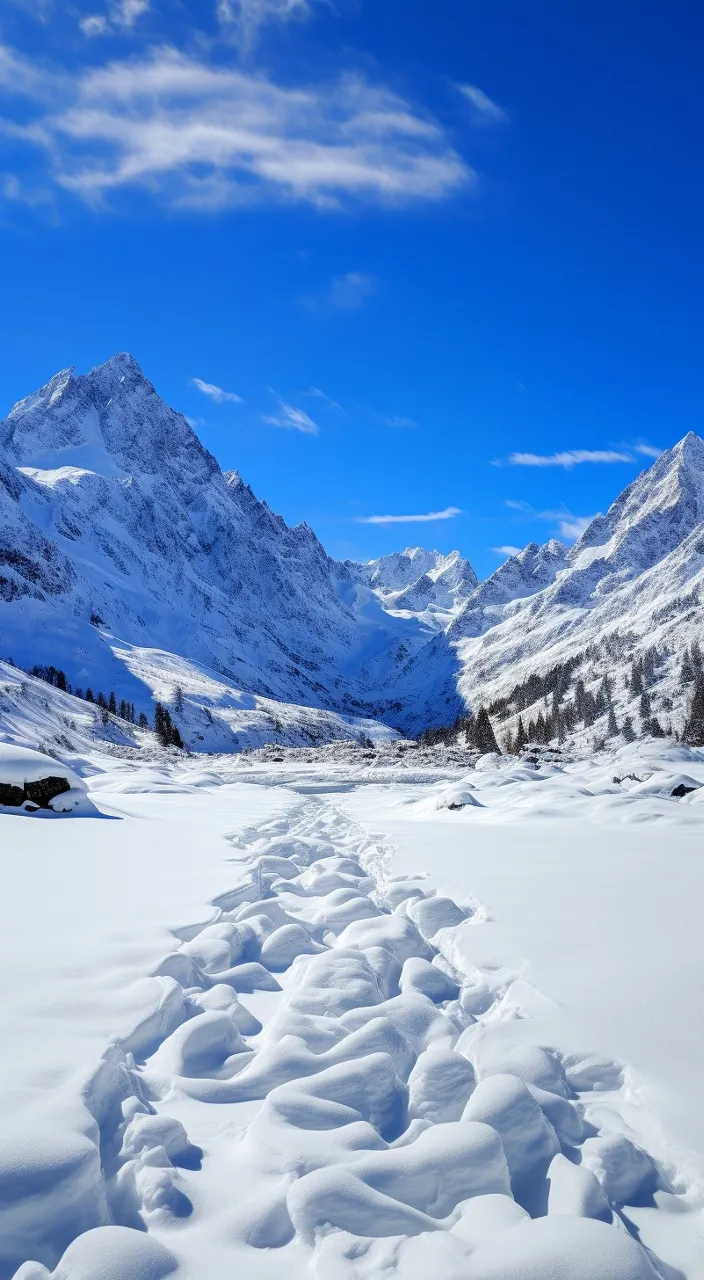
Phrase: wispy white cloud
x=398 y=420
x=244 y=18
x=291 y=418
x=647 y=450
x=207 y=136
x=425 y=517
x=572 y=527
x=567 y=525
x=350 y=292
x=568 y=458
x=194 y=422
x=483 y=104
x=318 y=394
x=506 y=551
x=215 y=393
x=347 y=292
x=123 y=14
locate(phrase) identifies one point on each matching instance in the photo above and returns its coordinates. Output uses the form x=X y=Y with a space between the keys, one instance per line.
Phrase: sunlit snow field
x=441 y=927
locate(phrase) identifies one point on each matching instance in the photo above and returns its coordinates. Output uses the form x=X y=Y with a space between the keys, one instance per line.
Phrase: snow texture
x=329 y=1084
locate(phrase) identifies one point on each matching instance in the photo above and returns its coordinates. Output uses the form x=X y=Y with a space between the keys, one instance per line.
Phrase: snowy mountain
x=417 y=582
x=122 y=543
x=131 y=562
x=632 y=582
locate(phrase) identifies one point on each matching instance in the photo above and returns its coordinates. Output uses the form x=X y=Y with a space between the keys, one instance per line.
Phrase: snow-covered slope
x=633 y=580
x=119 y=534
x=210 y=714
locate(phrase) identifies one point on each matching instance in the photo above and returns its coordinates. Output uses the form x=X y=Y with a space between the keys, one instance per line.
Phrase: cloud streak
x=483 y=105
x=647 y=450
x=202 y=135
x=215 y=393
x=569 y=526
x=291 y=418
x=568 y=458
x=448 y=514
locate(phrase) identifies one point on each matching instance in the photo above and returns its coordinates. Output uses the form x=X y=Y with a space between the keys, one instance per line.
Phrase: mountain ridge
x=126 y=552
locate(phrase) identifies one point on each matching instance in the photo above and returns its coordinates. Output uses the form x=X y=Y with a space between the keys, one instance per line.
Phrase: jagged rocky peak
x=109 y=420
x=652 y=515
x=401 y=569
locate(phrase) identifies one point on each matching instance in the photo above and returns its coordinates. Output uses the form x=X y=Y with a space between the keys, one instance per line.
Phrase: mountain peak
x=109 y=420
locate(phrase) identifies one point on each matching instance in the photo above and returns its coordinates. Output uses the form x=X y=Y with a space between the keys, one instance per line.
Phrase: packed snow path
x=323 y=1090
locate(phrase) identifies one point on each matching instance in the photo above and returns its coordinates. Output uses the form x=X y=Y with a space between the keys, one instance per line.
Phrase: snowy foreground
x=356 y=1022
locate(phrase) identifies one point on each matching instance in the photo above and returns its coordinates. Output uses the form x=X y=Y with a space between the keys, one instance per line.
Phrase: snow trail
x=326 y=1089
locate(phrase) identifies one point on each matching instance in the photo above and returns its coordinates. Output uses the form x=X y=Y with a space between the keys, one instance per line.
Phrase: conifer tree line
x=164 y=727
x=472 y=731
x=569 y=704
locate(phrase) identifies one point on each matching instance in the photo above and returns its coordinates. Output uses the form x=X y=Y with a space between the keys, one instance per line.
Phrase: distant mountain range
x=131 y=562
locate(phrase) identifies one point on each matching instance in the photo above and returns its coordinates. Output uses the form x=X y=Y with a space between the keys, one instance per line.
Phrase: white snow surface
x=303 y=1015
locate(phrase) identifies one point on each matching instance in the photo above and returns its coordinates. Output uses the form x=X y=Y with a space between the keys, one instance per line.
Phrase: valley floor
x=215 y=993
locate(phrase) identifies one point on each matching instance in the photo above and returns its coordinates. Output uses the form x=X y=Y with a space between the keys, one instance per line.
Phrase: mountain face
x=635 y=579
x=415 y=581
x=120 y=536
x=132 y=562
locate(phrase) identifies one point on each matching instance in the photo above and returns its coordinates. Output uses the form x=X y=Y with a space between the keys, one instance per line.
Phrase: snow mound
x=568 y=1248
x=31 y=781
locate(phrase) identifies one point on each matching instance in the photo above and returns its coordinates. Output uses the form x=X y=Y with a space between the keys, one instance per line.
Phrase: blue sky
x=444 y=256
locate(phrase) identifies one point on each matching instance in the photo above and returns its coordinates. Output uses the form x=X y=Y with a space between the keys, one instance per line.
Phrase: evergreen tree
x=143 y=721
x=693 y=732
x=78 y=692
x=484 y=733
x=101 y=701
x=656 y=728
x=165 y=728
x=579 y=697
x=628 y=731
x=636 y=679
x=521 y=738
x=686 y=670
x=178 y=700
x=89 y=695
x=696 y=656
x=612 y=725
x=645 y=707
x=112 y=703
x=649 y=660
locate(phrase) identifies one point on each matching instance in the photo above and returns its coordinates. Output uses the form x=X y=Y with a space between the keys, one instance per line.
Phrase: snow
x=18 y=765
x=331 y=1001
x=291 y=1019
